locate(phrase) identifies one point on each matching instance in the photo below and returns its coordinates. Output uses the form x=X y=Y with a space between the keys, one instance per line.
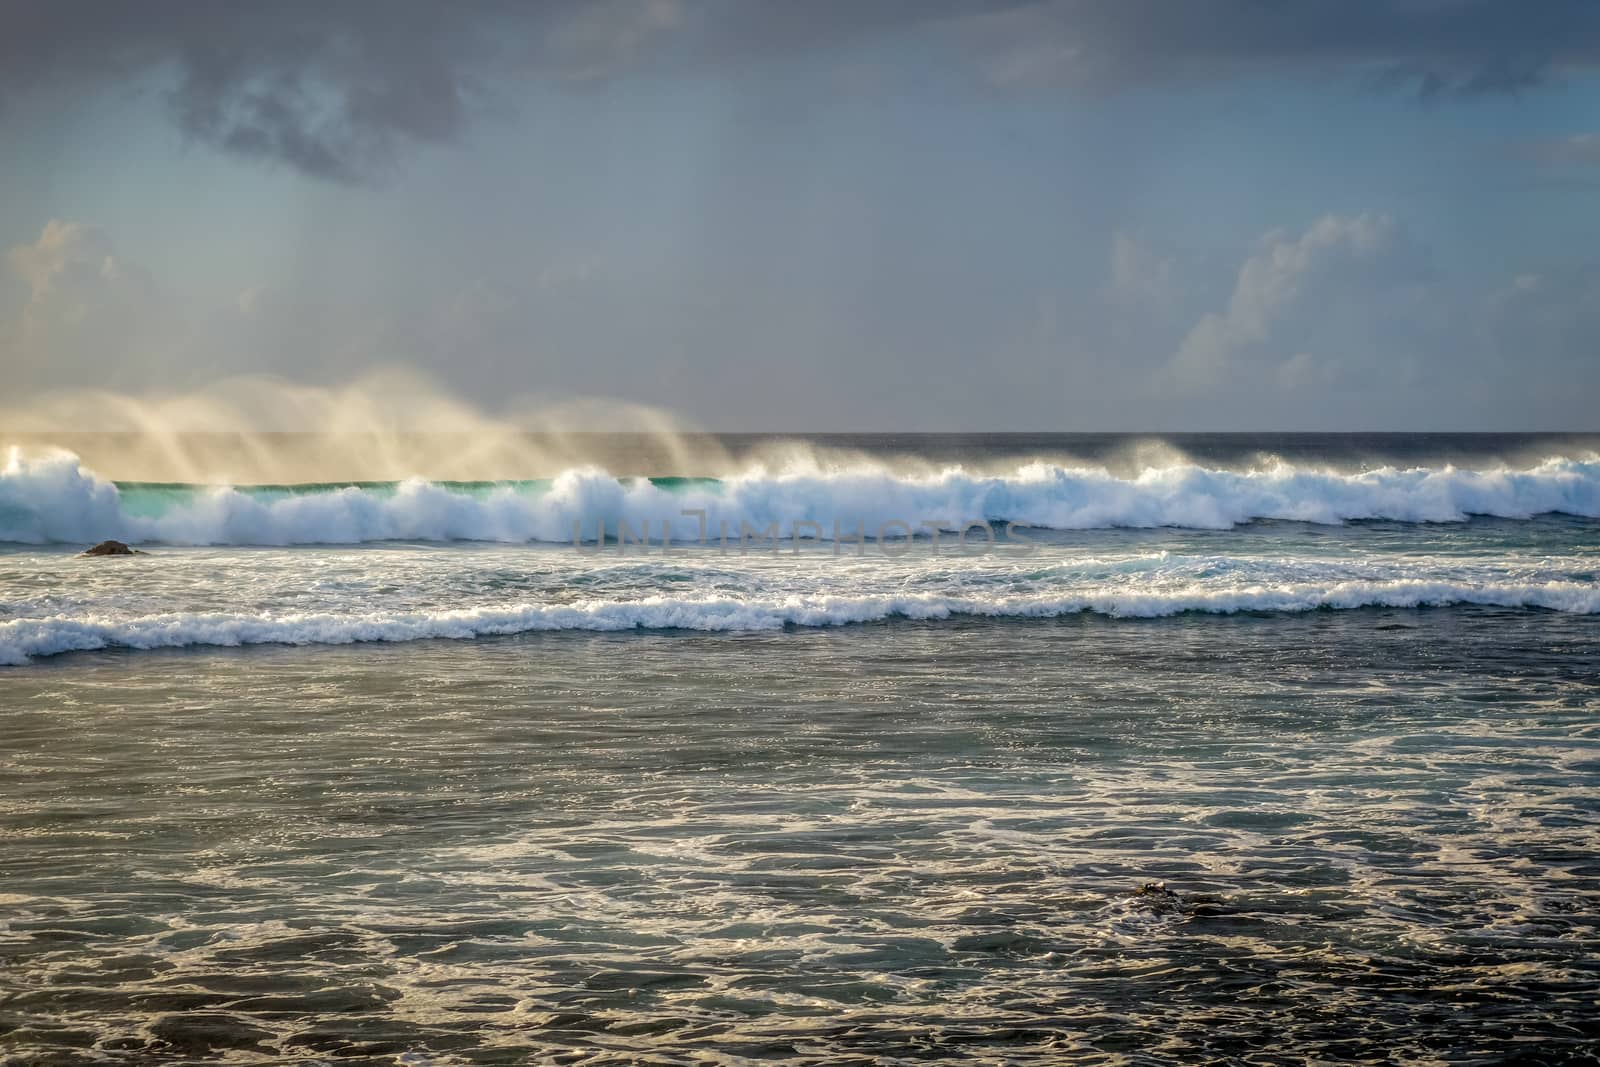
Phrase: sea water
x=1279 y=749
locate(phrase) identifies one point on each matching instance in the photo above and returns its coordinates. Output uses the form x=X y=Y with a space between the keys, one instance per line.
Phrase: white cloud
x=1141 y=279
x=83 y=307
x=1281 y=294
x=66 y=257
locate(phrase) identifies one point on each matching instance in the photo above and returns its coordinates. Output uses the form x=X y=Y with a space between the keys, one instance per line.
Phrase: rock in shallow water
x=112 y=548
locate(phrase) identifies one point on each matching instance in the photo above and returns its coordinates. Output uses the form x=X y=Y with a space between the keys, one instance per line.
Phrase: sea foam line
x=21 y=639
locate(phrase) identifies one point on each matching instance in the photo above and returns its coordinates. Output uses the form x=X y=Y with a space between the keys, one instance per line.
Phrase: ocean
x=1120 y=749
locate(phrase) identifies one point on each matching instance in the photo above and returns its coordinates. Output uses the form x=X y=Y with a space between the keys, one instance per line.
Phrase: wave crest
x=53 y=499
x=21 y=639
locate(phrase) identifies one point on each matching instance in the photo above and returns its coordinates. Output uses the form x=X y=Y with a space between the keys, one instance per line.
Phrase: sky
x=838 y=215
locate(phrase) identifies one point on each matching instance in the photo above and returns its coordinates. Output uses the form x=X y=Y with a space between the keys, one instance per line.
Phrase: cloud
x=1144 y=304
x=1141 y=279
x=75 y=310
x=1433 y=46
x=83 y=308
x=72 y=276
x=1578 y=148
x=340 y=90
x=333 y=90
x=1341 y=275
x=1342 y=324
x=1542 y=330
x=1554 y=315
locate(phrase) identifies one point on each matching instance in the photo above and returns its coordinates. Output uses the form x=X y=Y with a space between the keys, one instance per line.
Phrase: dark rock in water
x=1156 y=889
x=1156 y=897
x=112 y=548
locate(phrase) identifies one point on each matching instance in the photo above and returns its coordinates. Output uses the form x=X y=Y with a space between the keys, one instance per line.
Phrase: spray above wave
x=21 y=639
x=53 y=499
x=385 y=424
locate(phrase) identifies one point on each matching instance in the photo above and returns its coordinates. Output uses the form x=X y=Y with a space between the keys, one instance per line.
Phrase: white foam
x=54 y=500
x=21 y=639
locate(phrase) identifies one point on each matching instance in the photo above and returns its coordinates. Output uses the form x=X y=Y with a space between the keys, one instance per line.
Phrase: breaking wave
x=53 y=499
x=21 y=639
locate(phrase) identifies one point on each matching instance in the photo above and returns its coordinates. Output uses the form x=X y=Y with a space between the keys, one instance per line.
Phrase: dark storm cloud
x=1434 y=46
x=336 y=88
x=333 y=88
